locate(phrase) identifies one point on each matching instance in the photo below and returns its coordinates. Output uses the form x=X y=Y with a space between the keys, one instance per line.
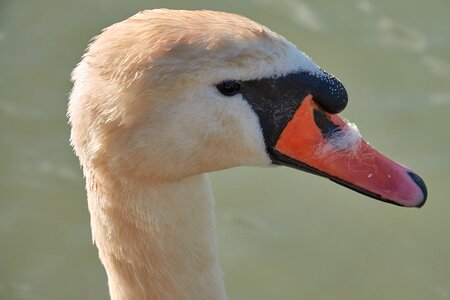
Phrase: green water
x=283 y=234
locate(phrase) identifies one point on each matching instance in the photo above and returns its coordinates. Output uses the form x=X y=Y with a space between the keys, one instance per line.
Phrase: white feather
x=344 y=141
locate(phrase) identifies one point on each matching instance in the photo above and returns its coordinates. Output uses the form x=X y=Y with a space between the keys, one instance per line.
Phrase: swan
x=166 y=96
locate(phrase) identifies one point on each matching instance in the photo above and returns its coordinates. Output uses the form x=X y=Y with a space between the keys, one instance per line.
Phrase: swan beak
x=324 y=144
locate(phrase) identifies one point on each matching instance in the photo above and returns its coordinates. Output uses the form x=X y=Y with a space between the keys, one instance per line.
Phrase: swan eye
x=229 y=87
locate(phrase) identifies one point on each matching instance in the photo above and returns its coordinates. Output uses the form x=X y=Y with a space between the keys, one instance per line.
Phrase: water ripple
x=299 y=12
x=437 y=66
x=393 y=33
x=254 y=223
x=303 y=15
x=12 y=109
x=365 y=7
x=440 y=98
x=16 y=290
x=49 y=168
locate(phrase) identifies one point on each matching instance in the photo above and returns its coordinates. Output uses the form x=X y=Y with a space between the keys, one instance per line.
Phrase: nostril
x=330 y=94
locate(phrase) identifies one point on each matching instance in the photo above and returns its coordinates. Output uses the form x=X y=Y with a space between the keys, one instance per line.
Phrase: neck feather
x=156 y=241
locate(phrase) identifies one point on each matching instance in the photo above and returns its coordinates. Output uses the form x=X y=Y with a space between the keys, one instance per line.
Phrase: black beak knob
x=329 y=93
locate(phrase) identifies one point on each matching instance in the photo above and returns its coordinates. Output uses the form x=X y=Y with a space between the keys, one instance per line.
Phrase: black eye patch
x=275 y=100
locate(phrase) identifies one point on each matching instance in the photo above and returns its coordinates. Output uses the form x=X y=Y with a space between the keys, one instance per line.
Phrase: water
x=283 y=234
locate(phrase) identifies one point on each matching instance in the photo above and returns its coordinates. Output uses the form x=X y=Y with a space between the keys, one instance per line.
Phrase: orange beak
x=310 y=141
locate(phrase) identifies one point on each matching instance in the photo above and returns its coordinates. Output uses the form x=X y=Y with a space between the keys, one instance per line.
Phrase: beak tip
x=421 y=184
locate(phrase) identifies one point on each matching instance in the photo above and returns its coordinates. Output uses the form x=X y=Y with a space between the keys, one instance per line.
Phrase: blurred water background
x=283 y=234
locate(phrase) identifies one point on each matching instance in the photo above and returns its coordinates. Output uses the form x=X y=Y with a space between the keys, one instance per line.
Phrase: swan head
x=167 y=94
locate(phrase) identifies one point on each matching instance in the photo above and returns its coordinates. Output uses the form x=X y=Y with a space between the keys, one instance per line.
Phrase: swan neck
x=157 y=241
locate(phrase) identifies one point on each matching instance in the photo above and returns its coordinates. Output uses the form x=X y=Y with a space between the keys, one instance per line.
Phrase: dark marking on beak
x=326 y=126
